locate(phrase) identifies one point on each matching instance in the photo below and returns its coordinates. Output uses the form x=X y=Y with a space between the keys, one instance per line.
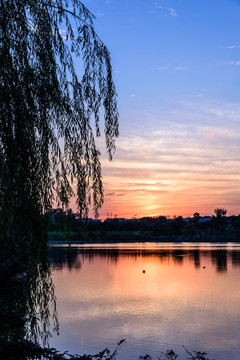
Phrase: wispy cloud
x=157 y=5
x=231 y=47
x=110 y=194
x=62 y=32
x=160 y=68
x=133 y=95
x=234 y=62
x=181 y=68
x=100 y=14
x=177 y=68
x=172 y=12
x=186 y=159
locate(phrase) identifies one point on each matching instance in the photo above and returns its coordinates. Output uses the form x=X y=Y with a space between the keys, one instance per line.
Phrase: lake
x=157 y=296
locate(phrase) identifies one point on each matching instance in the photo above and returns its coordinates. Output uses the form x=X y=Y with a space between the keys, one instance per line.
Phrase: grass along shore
x=114 y=236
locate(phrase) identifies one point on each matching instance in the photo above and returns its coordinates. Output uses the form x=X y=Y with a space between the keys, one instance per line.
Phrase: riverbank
x=64 y=237
x=59 y=241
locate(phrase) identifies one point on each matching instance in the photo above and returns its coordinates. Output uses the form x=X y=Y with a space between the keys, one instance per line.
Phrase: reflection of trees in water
x=235 y=256
x=62 y=257
x=27 y=304
x=41 y=307
x=219 y=258
x=74 y=257
x=178 y=256
x=195 y=256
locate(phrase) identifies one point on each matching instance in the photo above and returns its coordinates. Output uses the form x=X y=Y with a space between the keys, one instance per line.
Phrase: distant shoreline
x=80 y=242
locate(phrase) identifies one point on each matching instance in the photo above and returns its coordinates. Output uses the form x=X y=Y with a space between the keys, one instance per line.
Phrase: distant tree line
x=196 y=228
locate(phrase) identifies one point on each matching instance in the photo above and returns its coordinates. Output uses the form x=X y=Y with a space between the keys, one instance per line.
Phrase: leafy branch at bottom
x=171 y=355
x=25 y=349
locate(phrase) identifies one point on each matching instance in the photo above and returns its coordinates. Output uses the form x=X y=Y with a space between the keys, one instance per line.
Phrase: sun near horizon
x=176 y=67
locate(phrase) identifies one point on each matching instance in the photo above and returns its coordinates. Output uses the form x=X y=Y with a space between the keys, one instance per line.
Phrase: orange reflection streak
x=164 y=278
x=103 y=296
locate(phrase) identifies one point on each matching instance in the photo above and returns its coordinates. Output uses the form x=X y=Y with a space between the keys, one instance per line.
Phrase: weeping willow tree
x=55 y=80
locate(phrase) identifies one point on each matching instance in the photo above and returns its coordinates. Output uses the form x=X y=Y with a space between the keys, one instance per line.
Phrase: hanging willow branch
x=55 y=75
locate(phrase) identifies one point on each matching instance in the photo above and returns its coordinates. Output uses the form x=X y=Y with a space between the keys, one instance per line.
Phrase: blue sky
x=156 y=46
x=176 y=67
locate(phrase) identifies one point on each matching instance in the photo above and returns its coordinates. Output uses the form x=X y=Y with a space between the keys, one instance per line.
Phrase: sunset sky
x=176 y=67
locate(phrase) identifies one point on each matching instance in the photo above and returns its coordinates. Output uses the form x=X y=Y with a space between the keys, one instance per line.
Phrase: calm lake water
x=188 y=295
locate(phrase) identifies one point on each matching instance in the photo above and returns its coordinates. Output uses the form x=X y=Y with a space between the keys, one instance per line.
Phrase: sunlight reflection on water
x=189 y=295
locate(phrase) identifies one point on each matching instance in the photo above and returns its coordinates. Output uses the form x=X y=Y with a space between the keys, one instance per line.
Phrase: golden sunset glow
x=179 y=111
x=178 y=170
